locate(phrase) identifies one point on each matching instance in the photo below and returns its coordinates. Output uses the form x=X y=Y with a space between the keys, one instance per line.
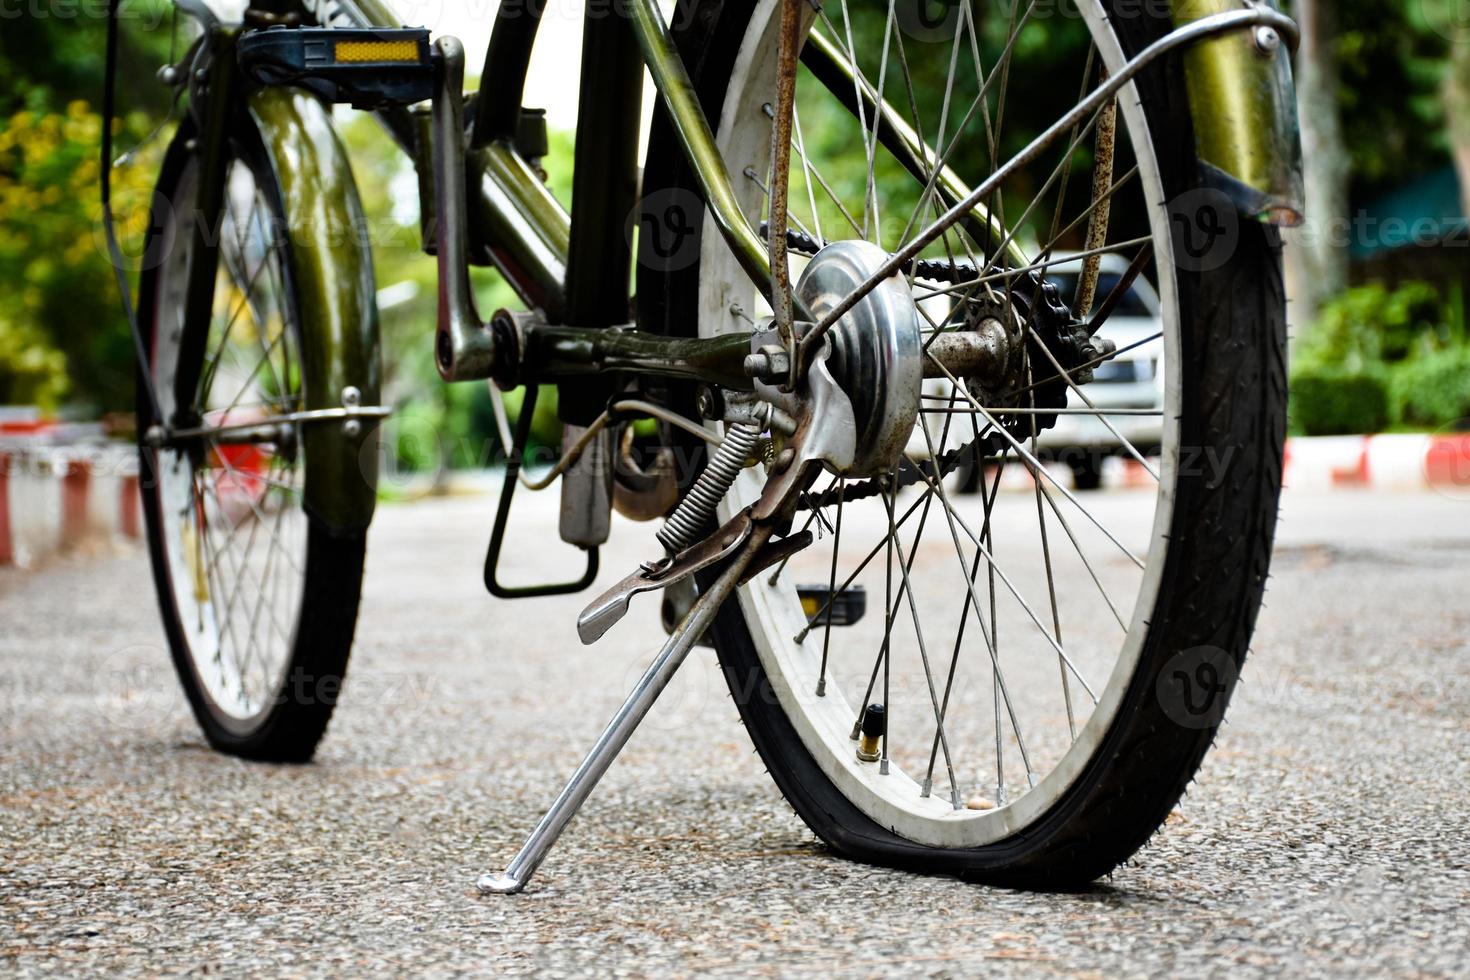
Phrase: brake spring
x=686 y=524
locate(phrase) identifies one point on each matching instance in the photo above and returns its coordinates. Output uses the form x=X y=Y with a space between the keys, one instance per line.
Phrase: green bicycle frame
x=1244 y=111
x=575 y=268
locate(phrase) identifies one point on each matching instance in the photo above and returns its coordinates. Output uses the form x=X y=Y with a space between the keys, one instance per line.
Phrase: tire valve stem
x=874 y=727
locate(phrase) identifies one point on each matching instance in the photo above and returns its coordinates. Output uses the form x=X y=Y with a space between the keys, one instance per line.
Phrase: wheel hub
x=876 y=349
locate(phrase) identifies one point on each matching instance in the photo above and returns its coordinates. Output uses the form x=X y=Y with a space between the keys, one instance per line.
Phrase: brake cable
x=109 y=102
x=619 y=407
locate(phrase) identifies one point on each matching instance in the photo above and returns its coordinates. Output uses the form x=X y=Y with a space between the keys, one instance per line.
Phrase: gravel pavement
x=1328 y=833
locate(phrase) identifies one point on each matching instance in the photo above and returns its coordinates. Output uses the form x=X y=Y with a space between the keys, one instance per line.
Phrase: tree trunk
x=1318 y=258
x=1457 y=111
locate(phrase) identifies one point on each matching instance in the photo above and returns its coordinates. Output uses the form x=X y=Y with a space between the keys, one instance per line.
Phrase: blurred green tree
x=62 y=334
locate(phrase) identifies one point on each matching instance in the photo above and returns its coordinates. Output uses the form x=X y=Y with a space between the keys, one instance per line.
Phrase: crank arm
x=607 y=609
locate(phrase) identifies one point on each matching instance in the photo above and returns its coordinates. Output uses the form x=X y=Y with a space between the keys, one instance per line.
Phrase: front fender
x=1245 y=118
x=331 y=261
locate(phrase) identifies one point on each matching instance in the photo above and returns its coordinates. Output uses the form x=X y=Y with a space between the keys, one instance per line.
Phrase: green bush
x=1370 y=325
x=1328 y=401
x=1433 y=390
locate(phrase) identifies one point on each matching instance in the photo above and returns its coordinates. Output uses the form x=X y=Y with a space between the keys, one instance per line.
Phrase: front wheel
x=259 y=599
x=1051 y=668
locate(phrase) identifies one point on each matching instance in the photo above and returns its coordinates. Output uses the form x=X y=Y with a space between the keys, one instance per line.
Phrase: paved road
x=1329 y=831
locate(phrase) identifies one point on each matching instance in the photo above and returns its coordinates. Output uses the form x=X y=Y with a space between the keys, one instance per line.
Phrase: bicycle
x=827 y=324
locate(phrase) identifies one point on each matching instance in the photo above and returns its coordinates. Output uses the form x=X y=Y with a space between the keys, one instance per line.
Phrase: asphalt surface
x=1328 y=833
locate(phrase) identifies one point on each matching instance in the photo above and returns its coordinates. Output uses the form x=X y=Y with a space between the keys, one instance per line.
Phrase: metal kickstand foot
x=618 y=731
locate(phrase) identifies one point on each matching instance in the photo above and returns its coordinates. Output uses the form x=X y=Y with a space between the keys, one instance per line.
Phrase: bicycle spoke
x=924 y=658
x=992 y=636
x=241 y=570
x=1007 y=275
x=801 y=636
x=954 y=660
x=954 y=518
x=1094 y=362
x=255 y=509
x=889 y=612
x=806 y=169
x=1051 y=588
x=1039 y=469
x=1100 y=416
x=267 y=580
x=831 y=593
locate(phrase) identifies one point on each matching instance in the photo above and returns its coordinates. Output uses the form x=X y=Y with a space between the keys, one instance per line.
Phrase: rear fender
x=1245 y=118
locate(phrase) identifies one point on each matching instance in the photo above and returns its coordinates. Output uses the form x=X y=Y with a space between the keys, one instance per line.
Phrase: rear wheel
x=1051 y=670
x=259 y=600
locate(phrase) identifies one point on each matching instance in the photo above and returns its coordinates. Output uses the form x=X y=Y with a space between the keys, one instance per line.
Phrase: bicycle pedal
x=848 y=606
x=367 y=69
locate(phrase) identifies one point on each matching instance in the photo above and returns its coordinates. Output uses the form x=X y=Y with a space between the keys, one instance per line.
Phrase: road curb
x=55 y=499
x=1386 y=463
x=1392 y=462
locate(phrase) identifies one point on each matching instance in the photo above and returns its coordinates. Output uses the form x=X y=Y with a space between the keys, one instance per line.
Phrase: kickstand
x=621 y=728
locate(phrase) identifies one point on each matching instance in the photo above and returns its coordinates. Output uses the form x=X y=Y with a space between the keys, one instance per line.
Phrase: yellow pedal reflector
x=843 y=609
x=359 y=52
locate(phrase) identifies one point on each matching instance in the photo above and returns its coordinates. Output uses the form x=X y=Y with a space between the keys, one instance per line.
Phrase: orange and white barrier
x=55 y=498
x=1439 y=461
x=1384 y=463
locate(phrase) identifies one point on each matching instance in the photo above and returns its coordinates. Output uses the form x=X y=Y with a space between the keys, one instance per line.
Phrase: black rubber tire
x=312 y=680
x=1214 y=574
